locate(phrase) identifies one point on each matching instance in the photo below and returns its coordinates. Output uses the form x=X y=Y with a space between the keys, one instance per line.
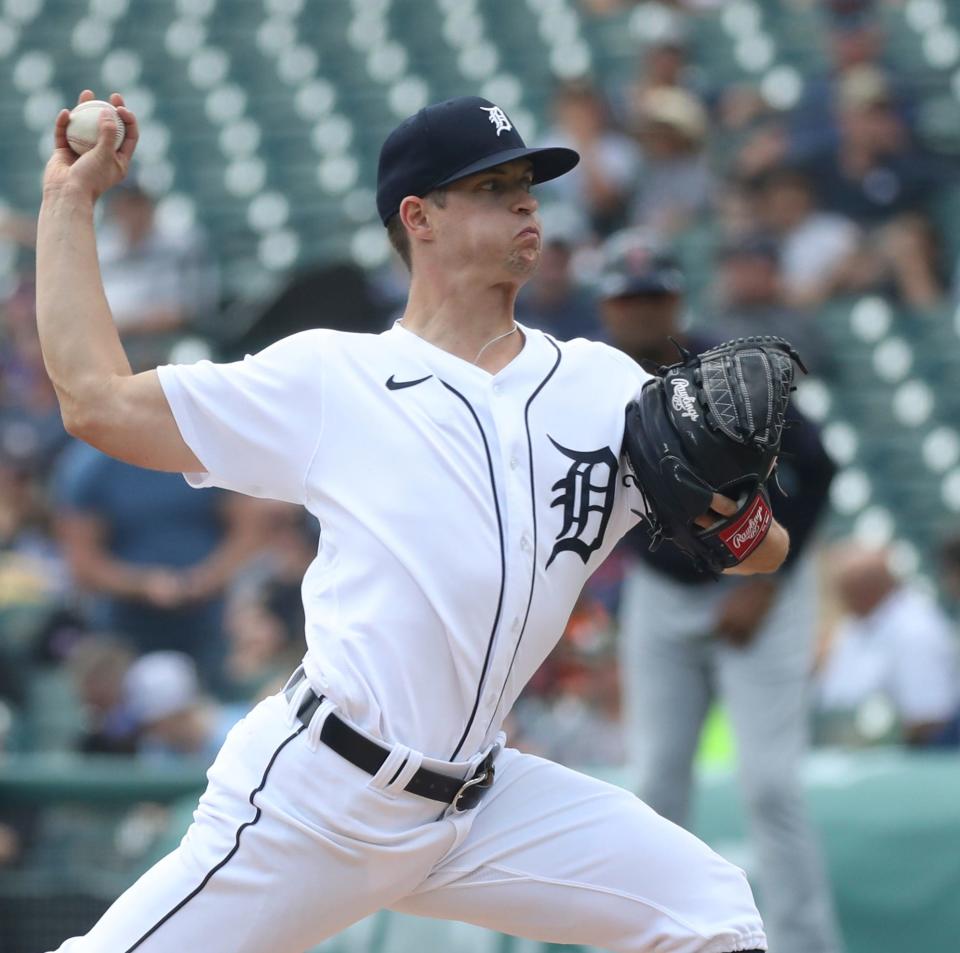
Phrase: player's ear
x=415 y=215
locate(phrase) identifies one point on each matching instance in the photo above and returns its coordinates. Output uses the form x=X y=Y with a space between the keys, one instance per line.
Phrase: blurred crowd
x=154 y=615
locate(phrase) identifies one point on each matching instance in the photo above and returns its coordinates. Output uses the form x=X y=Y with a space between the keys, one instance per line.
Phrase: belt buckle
x=473 y=789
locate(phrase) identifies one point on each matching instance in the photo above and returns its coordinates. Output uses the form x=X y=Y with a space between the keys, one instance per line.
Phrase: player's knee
x=770 y=795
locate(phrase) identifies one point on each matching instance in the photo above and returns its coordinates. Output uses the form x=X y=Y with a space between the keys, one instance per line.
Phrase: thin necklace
x=499 y=337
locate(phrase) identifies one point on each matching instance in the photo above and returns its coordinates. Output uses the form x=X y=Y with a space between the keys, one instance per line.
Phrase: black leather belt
x=370 y=756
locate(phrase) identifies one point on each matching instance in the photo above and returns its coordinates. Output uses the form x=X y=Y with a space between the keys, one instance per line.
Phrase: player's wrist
x=68 y=196
x=769 y=555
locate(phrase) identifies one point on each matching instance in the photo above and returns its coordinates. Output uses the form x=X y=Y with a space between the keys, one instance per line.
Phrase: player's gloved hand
x=708 y=428
x=99 y=169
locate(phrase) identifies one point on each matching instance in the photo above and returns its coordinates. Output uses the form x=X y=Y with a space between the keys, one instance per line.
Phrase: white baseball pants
x=291 y=843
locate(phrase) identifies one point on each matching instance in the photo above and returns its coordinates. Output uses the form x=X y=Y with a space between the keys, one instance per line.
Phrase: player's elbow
x=78 y=421
x=80 y=404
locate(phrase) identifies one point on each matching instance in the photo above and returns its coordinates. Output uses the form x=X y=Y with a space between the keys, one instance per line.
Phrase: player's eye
x=490 y=185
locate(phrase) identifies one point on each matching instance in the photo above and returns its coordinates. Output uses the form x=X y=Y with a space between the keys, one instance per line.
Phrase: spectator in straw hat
x=676 y=183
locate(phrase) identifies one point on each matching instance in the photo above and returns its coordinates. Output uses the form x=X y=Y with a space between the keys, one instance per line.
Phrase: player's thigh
x=560 y=857
x=766 y=687
x=666 y=675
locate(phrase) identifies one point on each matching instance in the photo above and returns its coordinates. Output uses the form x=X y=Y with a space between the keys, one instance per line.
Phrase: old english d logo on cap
x=499 y=118
x=451 y=140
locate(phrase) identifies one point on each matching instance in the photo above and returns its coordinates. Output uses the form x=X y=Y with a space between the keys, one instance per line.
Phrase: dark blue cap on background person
x=750 y=245
x=845 y=15
x=635 y=263
x=453 y=139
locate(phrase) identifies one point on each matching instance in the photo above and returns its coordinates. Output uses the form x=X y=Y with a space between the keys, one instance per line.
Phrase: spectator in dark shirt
x=854 y=38
x=686 y=638
x=153 y=555
x=878 y=178
x=874 y=172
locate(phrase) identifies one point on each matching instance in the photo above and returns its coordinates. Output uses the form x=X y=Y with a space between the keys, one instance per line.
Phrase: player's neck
x=471 y=323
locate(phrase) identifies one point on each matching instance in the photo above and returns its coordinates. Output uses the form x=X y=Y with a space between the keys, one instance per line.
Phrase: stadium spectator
x=603 y=181
x=894 y=644
x=173 y=717
x=18 y=233
x=949 y=563
x=686 y=638
x=878 y=178
x=98 y=665
x=663 y=59
x=751 y=299
x=31 y=430
x=265 y=617
x=854 y=39
x=260 y=655
x=157 y=281
x=571 y=709
x=153 y=555
x=815 y=246
x=553 y=299
x=31 y=566
x=676 y=184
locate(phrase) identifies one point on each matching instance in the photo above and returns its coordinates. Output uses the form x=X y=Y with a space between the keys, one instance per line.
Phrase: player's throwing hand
x=103 y=166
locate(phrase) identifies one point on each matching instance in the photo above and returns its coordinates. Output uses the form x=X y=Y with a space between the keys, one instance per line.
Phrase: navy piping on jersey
x=533 y=507
x=233 y=850
x=503 y=572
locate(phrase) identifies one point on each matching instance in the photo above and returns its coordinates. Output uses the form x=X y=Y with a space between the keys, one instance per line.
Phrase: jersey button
x=497 y=388
x=514 y=463
x=525 y=543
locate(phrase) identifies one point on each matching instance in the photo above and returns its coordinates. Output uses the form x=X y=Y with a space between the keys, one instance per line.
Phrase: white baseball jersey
x=460 y=512
x=460 y=515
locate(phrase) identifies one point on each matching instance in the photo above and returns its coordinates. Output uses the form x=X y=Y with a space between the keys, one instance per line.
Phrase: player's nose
x=526 y=201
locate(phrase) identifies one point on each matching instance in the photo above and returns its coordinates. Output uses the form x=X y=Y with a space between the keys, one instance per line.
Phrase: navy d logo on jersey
x=586 y=495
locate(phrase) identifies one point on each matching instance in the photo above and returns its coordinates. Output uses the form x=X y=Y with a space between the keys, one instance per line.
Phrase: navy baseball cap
x=449 y=140
x=634 y=263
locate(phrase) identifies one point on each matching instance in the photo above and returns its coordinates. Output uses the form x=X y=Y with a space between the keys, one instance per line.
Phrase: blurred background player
x=688 y=640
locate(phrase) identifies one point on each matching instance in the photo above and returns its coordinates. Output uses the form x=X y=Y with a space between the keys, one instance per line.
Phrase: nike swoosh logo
x=393 y=384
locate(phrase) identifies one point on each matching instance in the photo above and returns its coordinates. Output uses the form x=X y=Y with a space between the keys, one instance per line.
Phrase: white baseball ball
x=82 y=128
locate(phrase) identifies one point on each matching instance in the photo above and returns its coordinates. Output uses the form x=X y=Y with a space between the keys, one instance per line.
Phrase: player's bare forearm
x=768 y=556
x=81 y=347
x=123 y=414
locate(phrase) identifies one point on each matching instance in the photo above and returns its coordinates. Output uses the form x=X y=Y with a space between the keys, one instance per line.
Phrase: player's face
x=489 y=221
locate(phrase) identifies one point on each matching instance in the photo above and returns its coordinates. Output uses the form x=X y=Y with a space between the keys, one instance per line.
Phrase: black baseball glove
x=711 y=424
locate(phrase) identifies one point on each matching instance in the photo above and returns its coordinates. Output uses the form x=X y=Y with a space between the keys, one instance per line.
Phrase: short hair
x=397 y=233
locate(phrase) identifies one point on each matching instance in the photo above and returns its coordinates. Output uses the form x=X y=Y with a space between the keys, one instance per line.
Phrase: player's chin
x=523 y=260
